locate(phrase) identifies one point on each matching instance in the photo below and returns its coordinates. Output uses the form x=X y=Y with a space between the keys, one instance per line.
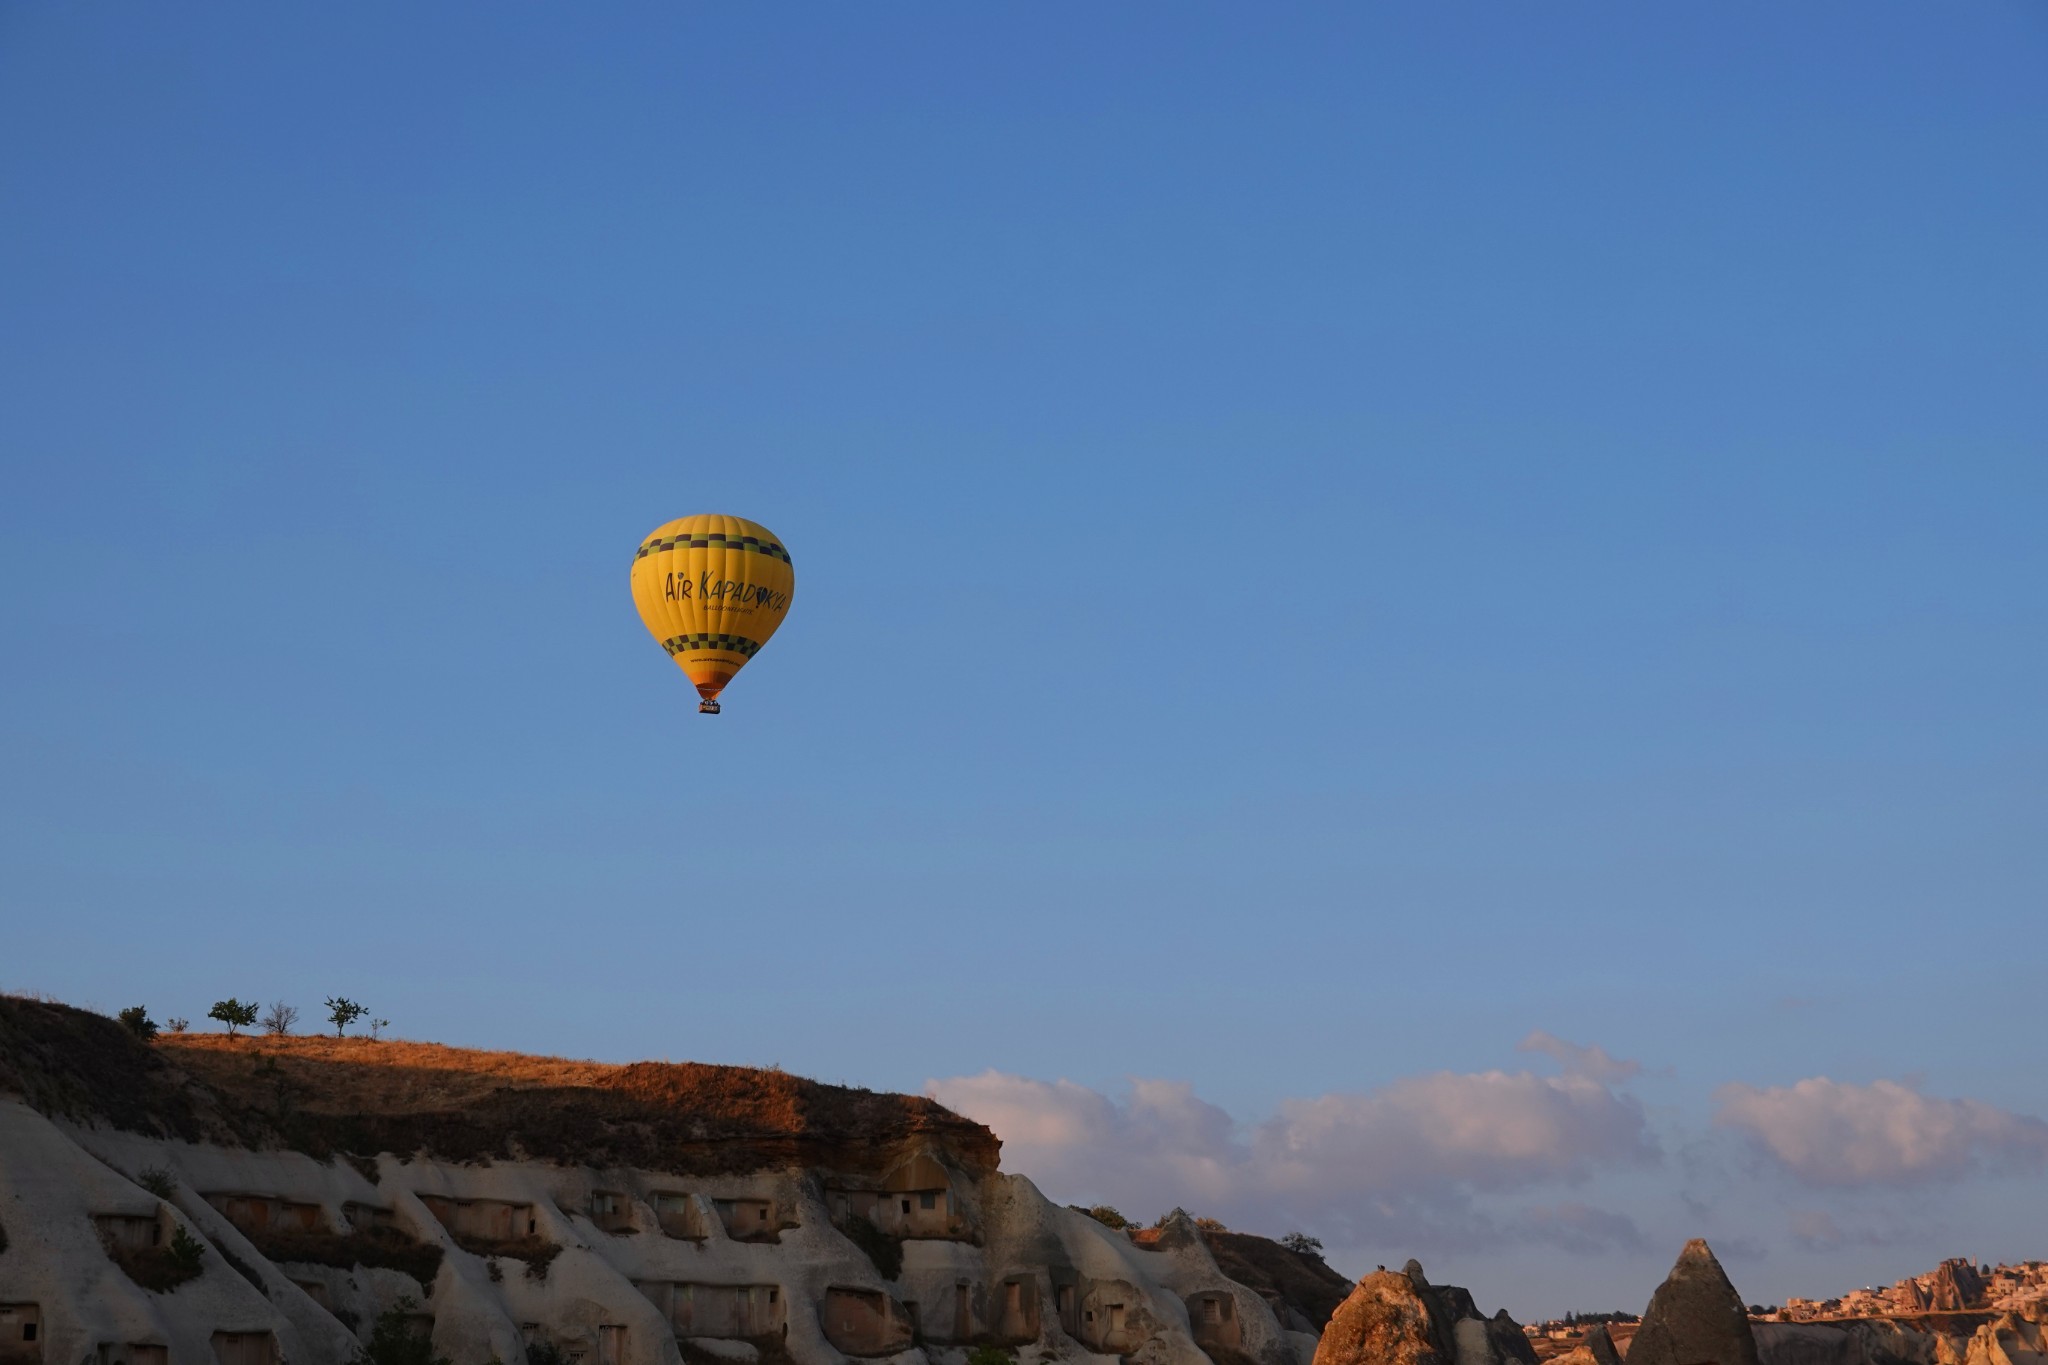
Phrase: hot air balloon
x=712 y=590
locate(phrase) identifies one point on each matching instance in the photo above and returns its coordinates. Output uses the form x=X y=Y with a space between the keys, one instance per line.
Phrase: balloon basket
x=707 y=708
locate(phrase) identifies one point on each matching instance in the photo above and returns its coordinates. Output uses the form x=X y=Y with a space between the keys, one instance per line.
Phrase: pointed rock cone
x=1695 y=1317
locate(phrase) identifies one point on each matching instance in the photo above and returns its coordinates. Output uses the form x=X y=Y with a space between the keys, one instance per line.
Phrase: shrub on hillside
x=395 y=1339
x=538 y=1261
x=377 y=1248
x=157 y=1181
x=1105 y=1215
x=162 y=1269
x=137 y=1021
x=188 y=1253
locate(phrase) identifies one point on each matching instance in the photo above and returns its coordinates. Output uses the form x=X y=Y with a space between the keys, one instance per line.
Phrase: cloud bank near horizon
x=1834 y=1133
x=1402 y=1163
x=1472 y=1160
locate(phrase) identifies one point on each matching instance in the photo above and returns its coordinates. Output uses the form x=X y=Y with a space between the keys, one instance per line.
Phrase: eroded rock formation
x=1400 y=1318
x=2009 y=1340
x=1386 y=1321
x=1695 y=1317
x=206 y=1202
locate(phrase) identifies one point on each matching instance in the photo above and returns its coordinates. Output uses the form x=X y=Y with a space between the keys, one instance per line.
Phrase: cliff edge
x=202 y=1200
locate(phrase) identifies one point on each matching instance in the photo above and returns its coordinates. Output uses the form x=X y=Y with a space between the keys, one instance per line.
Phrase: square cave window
x=928 y=1200
x=905 y=1203
x=771 y=1296
x=28 y=1331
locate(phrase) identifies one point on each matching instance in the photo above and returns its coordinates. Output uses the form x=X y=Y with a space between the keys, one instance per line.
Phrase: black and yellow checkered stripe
x=715 y=538
x=736 y=644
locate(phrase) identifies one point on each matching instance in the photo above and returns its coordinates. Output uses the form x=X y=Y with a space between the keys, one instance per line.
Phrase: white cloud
x=1490 y=1130
x=1402 y=1162
x=1159 y=1147
x=1594 y=1061
x=1834 y=1133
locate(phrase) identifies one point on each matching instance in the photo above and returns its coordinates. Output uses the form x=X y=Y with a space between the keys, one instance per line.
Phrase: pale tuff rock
x=51 y=1193
x=1402 y=1319
x=1954 y=1286
x=1223 y=1317
x=2009 y=1340
x=1386 y=1321
x=624 y=1215
x=1881 y=1341
x=649 y=1262
x=1865 y=1341
x=1695 y=1317
x=1472 y=1342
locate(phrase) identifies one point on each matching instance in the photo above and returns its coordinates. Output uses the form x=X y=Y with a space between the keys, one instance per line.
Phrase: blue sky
x=1326 y=542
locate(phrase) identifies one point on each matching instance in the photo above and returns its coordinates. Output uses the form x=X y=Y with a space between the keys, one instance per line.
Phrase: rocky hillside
x=1298 y=1283
x=215 y=1201
x=207 y=1201
x=325 y=1096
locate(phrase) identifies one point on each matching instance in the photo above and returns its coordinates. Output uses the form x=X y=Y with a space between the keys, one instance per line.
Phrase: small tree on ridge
x=343 y=1012
x=233 y=1013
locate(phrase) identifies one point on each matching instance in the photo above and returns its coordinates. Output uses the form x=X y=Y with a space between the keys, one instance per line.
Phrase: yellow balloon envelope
x=712 y=590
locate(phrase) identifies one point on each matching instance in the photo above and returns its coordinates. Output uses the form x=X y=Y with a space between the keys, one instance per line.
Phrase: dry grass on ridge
x=551 y=1101
x=388 y=1076
x=324 y=1095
